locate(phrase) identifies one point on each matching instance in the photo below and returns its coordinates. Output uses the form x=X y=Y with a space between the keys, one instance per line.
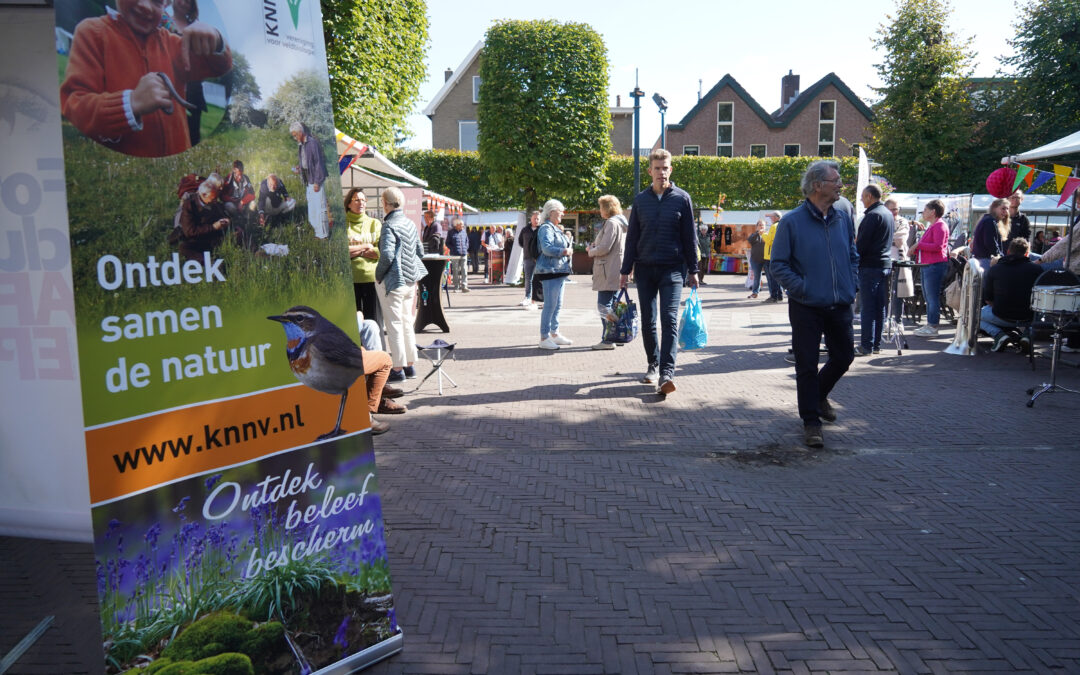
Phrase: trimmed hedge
x=749 y=182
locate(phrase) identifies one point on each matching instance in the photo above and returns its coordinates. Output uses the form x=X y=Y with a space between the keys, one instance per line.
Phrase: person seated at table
x=1007 y=294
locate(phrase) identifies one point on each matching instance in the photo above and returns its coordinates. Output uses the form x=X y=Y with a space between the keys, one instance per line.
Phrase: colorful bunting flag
x=1031 y=175
x=1044 y=177
x=1022 y=172
x=1062 y=173
x=1071 y=185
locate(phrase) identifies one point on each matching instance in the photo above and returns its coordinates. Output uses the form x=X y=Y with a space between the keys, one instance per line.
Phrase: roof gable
x=454 y=79
x=781 y=118
x=803 y=99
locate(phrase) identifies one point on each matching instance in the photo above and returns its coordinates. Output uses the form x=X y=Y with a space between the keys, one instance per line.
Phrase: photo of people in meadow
x=253 y=197
x=275 y=581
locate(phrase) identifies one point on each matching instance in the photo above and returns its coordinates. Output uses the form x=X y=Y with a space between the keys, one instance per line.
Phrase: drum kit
x=1061 y=305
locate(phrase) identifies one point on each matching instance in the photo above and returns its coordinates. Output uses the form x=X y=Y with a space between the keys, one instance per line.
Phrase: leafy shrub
x=749 y=182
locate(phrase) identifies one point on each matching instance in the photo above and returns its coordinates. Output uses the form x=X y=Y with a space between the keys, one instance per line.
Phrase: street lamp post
x=661 y=103
x=637 y=94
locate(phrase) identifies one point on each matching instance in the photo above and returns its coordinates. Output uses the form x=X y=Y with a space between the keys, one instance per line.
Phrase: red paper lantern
x=999 y=183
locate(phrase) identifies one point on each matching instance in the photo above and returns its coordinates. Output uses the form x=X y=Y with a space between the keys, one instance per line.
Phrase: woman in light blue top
x=552 y=269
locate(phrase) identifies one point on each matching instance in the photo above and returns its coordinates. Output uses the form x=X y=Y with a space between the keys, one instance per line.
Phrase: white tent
x=361 y=155
x=1062 y=146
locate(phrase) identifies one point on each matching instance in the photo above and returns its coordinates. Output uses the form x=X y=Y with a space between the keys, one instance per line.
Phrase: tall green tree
x=1046 y=65
x=923 y=121
x=543 y=119
x=375 y=52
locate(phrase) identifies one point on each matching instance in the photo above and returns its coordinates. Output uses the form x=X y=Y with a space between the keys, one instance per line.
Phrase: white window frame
x=832 y=121
x=730 y=123
x=798 y=149
x=475 y=88
x=764 y=146
x=462 y=123
x=686 y=149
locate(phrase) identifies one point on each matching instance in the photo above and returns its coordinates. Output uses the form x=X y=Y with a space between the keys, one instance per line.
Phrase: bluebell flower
x=341 y=637
x=212 y=480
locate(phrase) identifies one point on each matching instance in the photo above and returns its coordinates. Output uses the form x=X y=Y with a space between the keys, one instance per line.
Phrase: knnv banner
x=232 y=479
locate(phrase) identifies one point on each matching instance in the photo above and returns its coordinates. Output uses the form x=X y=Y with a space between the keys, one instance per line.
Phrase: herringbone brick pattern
x=553 y=515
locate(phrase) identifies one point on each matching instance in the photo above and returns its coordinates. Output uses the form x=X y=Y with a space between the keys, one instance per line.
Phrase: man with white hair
x=312 y=168
x=815 y=260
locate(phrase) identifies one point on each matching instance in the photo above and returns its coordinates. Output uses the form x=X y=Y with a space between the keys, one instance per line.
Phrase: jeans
x=549 y=314
x=665 y=281
x=757 y=268
x=457 y=270
x=605 y=302
x=808 y=324
x=993 y=324
x=775 y=291
x=399 y=316
x=874 y=291
x=932 y=276
x=530 y=265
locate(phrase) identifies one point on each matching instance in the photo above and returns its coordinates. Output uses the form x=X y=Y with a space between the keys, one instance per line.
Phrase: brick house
x=827 y=119
x=453 y=111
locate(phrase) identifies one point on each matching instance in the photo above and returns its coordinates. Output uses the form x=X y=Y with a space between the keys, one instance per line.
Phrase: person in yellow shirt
x=776 y=293
x=363 y=251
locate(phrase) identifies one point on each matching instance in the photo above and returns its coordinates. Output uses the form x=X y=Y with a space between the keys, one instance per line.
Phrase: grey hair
x=207 y=187
x=549 y=206
x=815 y=173
x=393 y=197
x=297 y=126
x=773 y=214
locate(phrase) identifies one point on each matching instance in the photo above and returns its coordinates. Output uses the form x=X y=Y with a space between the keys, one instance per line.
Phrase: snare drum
x=1056 y=299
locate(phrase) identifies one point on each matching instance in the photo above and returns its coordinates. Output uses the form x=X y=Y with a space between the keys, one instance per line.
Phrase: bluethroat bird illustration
x=321 y=356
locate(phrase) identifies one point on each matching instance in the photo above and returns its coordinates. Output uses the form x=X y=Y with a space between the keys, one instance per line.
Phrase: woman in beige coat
x=607 y=254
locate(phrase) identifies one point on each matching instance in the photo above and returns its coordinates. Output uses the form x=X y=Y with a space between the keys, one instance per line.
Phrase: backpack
x=188 y=185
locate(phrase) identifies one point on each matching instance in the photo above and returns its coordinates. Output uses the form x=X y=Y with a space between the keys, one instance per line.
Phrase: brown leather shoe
x=388 y=407
x=378 y=427
x=392 y=392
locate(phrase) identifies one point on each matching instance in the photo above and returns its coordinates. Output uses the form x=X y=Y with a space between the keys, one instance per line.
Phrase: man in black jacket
x=873 y=243
x=1019 y=226
x=1007 y=293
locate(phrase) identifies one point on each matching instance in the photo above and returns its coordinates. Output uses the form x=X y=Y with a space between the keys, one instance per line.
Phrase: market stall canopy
x=352 y=153
x=359 y=177
x=1063 y=146
x=436 y=201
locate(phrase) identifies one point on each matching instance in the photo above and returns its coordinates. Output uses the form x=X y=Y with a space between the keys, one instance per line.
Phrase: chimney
x=789 y=89
x=618 y=101
x=449 y=73
x=699 y=89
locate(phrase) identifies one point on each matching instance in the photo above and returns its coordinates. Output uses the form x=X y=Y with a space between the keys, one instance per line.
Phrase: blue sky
x=674 y=44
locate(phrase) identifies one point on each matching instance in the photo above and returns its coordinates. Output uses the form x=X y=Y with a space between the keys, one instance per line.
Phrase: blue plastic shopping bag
x=692 y=331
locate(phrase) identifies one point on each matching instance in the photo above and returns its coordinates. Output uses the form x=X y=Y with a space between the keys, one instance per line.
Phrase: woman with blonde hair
x=607 y=253
x=991 y=233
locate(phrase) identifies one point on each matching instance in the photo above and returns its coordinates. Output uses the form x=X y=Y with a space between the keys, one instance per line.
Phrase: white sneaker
x=560 y=340
x=927 y=331
x=531 y=306
x=603 y=345
x=525 y=303
x=548 y=343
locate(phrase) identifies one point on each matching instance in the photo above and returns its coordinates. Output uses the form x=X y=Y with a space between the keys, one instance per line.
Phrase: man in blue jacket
x=814 y=259
x=457 y=241
x=873 y=244
x=661 y=249
x=311 y=166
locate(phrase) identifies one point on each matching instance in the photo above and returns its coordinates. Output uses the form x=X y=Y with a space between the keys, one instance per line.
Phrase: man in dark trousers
x=1007 y=294
x=661 y=249
x=814 y=258
x=873 y=244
